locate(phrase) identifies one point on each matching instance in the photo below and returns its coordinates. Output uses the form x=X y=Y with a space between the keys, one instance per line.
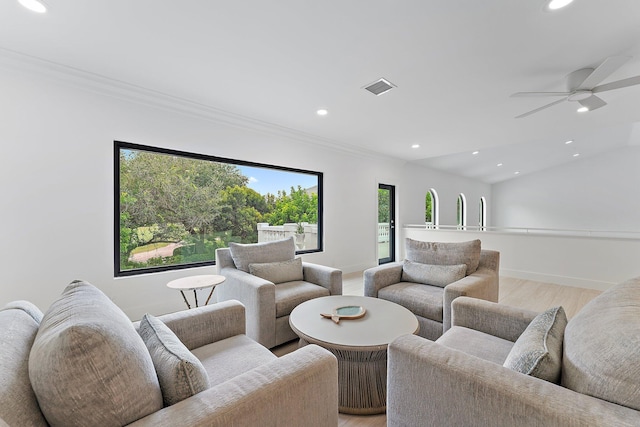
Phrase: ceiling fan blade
x=603 y=71
x=538 y=94
x=592 y=103
x=541 y=108
x=617 y=84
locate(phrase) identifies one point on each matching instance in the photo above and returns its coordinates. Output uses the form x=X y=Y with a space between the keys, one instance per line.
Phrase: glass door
x=386 y=223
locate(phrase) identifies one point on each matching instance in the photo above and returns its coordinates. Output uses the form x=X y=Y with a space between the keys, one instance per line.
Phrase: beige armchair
x=432 y=276
x=582 y=374
x=271 y=282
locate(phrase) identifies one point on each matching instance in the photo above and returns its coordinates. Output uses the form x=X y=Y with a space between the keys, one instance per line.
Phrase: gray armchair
x=271 y=282
x=465 y=377
x=432 y=276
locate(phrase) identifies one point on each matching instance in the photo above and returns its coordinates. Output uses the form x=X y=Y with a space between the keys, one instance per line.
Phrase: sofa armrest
x=495 y=319
x=430 y=384
x=300 y=388
x=381 y=276
x=482 y=284
x=327 y=277
x=208 y=324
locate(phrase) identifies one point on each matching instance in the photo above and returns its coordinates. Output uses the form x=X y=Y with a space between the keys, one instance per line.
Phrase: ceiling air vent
x=379 y=87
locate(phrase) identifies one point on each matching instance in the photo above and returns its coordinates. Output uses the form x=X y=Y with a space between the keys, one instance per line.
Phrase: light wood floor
x=516 y=292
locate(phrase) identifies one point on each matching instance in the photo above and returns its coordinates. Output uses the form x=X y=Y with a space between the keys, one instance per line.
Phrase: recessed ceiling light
x=569 y=142
x=415 y=146
x=576 y=155
x=34 y=5
x=322 y=112
x=557 y=4
x=475 y=152
x=582 y=110
x=516 y=173
x=499 y=164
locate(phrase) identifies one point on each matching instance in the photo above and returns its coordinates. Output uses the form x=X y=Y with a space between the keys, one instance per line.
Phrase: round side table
x=193 y=283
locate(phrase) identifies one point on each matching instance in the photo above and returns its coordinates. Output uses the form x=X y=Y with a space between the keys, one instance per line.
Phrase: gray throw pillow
x=278 y=272
x=438 y=253
x=538 y=351
x=245 y=254
x=89 y=366
x=435 y=275
x=180 y=373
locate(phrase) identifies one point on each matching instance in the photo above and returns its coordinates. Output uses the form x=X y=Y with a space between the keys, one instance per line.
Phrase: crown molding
x=106 y=86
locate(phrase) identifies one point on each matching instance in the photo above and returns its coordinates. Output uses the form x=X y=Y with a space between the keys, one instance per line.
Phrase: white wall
x=57 y=187
x=596 y=193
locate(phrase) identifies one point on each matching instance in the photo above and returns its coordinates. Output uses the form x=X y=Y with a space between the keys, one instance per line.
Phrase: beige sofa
x=460 y=379
x=83 y=363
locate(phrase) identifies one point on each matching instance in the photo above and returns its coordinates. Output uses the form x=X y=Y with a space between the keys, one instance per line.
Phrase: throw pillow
x=89 y=366
x=180 y=373
x=437 y=253
x=538 y=351
x=435 y=275
x=245 y=254
x=278 y=272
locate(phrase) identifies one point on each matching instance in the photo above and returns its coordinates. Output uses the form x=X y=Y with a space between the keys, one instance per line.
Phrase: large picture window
x=174 y=209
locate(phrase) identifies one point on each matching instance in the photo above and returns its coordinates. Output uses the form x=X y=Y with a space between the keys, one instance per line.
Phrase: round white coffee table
x=360 y=345
x=193 y=283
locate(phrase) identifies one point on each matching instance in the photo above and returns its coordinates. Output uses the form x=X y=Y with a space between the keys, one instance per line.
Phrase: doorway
x=386 y=223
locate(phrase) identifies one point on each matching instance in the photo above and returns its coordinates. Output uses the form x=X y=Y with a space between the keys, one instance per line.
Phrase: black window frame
x=119 y=145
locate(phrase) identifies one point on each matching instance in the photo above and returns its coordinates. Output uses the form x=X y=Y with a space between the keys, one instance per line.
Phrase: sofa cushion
x=434 y=275
x=476 y=343
x=601 y=343
x=438 y=253
x=19 y=321
x=245 y=254
x=538 y=350
x=88 y=365
x=421 y=300
x=231 y=357
x=180 y=373
x=278 y=272
x=291 y=294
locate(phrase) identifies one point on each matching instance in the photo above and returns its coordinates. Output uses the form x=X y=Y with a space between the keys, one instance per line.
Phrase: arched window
x=461 y=205
x=431 y=217
x=482 y=220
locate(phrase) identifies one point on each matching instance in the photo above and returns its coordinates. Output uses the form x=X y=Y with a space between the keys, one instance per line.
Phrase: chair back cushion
x=278 y=272
x=245 y=254
x=538 y=351
x=89 y=366
x=19 y=321
x=438 y=253
x=601 y=343
x=434 y=275
x=180 y=373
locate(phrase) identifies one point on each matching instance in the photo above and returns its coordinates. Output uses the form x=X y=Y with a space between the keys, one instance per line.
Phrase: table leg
x=209 y=297
x=195 y=295
x=185 y=299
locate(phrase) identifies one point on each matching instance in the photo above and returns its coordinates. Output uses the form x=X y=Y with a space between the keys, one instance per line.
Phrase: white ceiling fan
x=582 y=86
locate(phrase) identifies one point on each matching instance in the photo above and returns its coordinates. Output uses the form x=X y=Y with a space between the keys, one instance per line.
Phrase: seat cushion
x=231 y=357
x=19 y=321
x=421 y=300
x=476 y=343
x=601 y=343
x=291 y=294
x=245 y=254
x=438 y=253
x=434 y=275
x=278 y=272
x=538 y=350
x=89 y=366
x=180 y=373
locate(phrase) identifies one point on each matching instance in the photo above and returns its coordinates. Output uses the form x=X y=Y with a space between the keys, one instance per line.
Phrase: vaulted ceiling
x=454 y=63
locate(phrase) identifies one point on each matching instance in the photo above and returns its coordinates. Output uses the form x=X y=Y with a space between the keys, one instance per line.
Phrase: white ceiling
x=454 y=62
